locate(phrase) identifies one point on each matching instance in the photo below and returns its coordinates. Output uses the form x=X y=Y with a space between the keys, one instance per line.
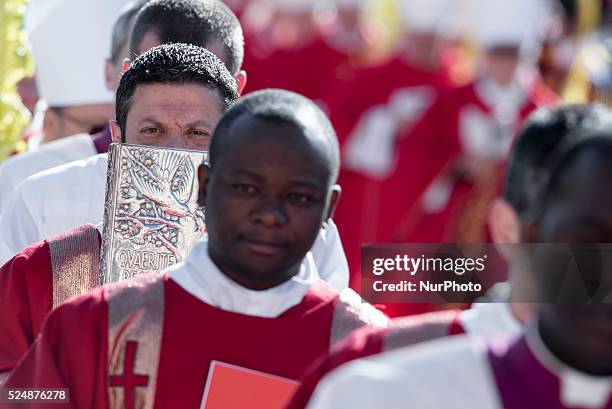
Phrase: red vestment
x=149 y=343
x=371 y=341
x=447 y=130
x=38 y=278
x=312 y=70
x=368 y=113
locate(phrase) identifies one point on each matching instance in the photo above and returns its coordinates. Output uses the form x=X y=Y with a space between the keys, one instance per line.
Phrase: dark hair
x=122 y=28
x=198 y=22
x=564 y=157
x=175 y=64
x=284 y=107
x=530 y=161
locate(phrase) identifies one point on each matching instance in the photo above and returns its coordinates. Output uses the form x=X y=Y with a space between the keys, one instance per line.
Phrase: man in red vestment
x=273 y=30
x=509 y=218
x=43 y=275
x=249 y=297
x=543 y=368
x=468 y=132
x=458 y=149
x=369 y=111
x=299 y=52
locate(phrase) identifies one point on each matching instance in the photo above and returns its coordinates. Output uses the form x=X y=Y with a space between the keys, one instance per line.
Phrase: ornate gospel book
x=151 y=215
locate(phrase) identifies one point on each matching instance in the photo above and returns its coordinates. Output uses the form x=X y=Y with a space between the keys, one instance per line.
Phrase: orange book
x=233 y=387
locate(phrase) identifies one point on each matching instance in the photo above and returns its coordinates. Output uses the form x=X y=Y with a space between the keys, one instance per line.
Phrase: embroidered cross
x=129 y=380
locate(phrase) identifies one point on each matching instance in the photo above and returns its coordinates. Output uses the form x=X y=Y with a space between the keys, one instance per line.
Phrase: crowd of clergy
x=328 y=125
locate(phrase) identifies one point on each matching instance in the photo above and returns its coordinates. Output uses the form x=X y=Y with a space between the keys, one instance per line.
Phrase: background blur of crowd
x=425 y=96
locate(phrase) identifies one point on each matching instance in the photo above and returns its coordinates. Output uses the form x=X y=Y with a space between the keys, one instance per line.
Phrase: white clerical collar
x=490 y=320
x=504 y=101
x=577 y=388
x=199 y=276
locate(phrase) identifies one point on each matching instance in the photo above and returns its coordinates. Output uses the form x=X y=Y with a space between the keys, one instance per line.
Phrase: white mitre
x=70 y=41
x=519 y=23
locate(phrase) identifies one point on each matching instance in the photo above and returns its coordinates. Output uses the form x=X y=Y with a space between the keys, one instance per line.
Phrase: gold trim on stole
x=135 y=316
x=350 y=313
x=75 y=262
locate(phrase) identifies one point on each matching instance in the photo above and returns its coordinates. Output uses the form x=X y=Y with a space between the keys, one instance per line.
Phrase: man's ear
x=109 y=75
x=125 y=66
x=116 y=134
x=50 y=125
x=333 y=201
x=203 y=178
x=241 y=81
x=505 y=227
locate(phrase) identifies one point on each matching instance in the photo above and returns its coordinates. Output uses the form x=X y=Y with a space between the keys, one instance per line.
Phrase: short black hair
x=564 y=157
x=175 y=64
x=530 y=161
x=283 y=107
x=122 y=28
x=198 y=22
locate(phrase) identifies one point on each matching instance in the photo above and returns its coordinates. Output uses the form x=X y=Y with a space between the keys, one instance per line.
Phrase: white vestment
x=49 y=155
x=455 y=372
x=53 y=201
x=447 y=373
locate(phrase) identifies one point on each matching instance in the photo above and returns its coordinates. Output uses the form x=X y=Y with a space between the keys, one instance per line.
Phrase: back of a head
x=199 y=22
x=592 y=145
x=284 y=107
x=175 y=64
x=530 y=161
x=121 y=30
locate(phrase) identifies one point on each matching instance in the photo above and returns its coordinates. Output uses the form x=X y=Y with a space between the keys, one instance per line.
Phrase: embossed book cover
x=151 y=216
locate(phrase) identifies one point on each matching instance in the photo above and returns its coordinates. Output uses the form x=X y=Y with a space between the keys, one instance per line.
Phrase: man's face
x=172 y=116
x=502 y=62
x=266 y=198
x=581 y=214
x=72 y=120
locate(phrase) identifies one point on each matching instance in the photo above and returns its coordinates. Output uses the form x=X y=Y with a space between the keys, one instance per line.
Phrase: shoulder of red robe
x=75 y=262
x=25 y=299
x=352 y=312
x=367 y=341
x=71 y=342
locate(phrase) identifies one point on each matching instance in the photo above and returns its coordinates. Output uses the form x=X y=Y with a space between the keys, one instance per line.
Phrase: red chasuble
x=371 y=341
x=149 y=343
x=38 y=278
x=449 y=130
x=312 y=70
x=372 y=109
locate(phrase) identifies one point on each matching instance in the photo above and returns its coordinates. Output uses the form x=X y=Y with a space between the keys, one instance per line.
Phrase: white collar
x=505 y=101
x=199 y=276
x=490 y=320
x=577 y=388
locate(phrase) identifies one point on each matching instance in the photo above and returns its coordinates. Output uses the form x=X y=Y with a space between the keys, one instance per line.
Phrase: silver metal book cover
x=151 y=215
